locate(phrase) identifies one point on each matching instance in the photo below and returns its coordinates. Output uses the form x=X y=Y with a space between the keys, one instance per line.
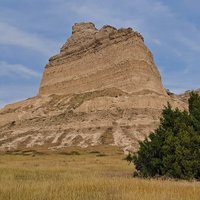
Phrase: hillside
x=103 y=88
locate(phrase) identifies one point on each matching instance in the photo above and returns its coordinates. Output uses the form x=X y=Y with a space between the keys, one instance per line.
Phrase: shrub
x=173 y=149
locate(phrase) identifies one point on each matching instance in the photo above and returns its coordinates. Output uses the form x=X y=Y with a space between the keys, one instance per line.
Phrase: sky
x=33 y=31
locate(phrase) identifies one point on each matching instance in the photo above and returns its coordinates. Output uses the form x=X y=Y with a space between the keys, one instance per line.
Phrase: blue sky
x=32 y=31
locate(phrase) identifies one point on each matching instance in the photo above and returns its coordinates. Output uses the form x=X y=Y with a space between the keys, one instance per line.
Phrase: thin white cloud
x=14 y=93
x=101 y=15
x=11 y=35
x=7 y=69
x=191 y=44
x=156 y=41
x=2 y=103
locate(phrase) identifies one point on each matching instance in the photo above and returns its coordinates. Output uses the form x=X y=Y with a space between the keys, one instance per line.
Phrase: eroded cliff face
x=94 y=59
x=102 y=89
x=185 y=96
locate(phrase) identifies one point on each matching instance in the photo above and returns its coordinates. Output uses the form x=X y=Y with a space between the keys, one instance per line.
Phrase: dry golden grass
x=83 y=177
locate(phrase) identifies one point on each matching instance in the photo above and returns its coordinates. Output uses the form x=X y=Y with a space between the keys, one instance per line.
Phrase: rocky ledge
x=86 y=38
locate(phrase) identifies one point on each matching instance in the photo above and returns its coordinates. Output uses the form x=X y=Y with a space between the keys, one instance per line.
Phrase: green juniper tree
x=173 y=149
x=194 y=109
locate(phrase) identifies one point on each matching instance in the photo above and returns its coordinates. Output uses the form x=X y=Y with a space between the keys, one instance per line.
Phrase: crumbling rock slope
x=185 y=96
x=103 y=88
x=94 y=59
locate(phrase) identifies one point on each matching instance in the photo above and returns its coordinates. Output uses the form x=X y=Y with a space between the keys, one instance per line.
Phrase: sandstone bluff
x=103 y=88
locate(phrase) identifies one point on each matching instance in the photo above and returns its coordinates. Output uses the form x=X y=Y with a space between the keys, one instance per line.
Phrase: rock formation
x=185 y=96
x=94 y=59
x=103 y=88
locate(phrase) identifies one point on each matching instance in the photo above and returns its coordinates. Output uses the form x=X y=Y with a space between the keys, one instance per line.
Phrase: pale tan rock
x=185 y=96
x=103 y=88
x=94 y=59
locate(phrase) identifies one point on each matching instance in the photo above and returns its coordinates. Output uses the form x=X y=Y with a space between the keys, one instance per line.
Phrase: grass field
x=90 y=176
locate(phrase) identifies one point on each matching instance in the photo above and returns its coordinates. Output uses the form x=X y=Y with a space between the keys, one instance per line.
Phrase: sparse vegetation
x=83 y=177
x=173 y=150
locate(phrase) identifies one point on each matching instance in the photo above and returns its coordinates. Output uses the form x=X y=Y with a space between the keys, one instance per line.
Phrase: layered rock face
x=103 y=88
x=94 y=59
x=185 y=96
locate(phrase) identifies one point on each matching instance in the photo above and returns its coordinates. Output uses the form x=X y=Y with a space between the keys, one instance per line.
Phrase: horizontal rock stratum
x=103 y=88
x=94 y=59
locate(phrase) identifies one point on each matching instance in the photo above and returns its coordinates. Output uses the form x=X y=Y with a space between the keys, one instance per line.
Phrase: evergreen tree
x=194 y=109
x=173 y=150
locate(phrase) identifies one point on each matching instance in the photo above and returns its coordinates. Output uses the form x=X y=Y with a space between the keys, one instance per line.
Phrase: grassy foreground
x=83 y=177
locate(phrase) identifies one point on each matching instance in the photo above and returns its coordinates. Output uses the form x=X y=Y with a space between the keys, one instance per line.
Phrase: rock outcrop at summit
x=103 y=88
x=94 y=59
